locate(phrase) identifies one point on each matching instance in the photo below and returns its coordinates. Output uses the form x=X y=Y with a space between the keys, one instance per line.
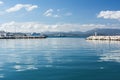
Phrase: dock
x=23 y=37
x=113 y=38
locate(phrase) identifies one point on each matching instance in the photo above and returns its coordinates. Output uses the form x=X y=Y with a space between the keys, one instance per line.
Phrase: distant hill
x=64 y=34
x=104 y=31
x=83 y=34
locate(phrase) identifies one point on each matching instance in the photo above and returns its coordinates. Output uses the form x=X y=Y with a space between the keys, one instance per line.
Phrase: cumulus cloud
x=1 y=2
x=51 y=13
x=38 y=27
x=17 y=7
x=56 y=13
x=109 y=15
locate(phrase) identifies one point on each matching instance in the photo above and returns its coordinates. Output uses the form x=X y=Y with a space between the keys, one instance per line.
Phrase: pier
x=114 y=38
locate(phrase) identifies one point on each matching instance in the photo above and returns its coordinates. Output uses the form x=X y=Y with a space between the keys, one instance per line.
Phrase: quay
x=24 y=37
x=114 y=38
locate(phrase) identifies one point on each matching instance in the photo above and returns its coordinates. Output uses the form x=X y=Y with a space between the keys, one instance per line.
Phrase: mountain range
x=99 y=31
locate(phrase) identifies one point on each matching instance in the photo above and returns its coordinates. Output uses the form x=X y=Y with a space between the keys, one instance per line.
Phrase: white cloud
x=48 y=13
x=56 y=13
x=1 y=2
x=109 y=15
x=51 y=13
x=31 y=7
x=38 y=27
x=17 y=7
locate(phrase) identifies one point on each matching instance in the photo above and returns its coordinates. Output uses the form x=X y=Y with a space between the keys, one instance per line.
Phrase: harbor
x=24 y=37
x=18 y=35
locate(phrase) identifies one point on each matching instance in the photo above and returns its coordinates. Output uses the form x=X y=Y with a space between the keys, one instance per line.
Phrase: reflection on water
x=110 y=50
x=23 y=55
x=1 y=76
x=55 y=57
x=23 y=68
x=111 y=56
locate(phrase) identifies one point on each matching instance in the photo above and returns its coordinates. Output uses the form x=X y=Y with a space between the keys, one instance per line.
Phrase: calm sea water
x=59 y=59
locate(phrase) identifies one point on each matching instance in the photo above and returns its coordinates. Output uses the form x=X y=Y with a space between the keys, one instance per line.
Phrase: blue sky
x=58 y=15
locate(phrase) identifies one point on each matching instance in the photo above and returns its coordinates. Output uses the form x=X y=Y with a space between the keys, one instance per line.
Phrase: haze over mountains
x=99 y=31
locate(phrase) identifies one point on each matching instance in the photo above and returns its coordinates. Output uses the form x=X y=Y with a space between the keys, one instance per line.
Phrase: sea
x=59 y=59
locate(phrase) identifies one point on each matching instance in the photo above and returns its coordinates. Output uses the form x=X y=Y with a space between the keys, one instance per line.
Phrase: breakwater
x=115 y=38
